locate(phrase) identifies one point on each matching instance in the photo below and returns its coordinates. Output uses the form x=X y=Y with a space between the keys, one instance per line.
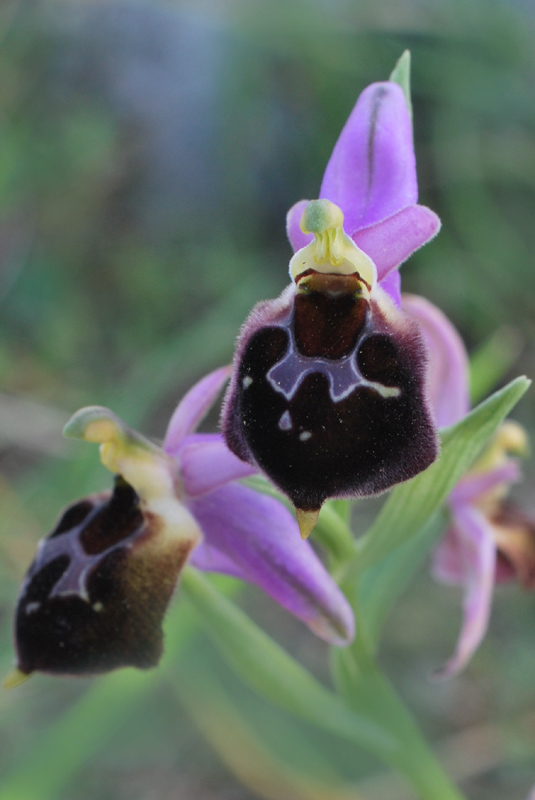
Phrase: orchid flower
x=95 y=596
x=488 y=540
x=328 y=390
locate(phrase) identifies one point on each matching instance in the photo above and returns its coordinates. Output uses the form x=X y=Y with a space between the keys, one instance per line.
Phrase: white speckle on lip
x=285 y=422
x=305 y=436
x=247 y=381
x=98 y=606
x=31 y=607
x=385 y=391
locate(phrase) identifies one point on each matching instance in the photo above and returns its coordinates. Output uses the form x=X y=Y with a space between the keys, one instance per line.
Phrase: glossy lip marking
x=73 y=581
x=343 y=375
x=285 y=422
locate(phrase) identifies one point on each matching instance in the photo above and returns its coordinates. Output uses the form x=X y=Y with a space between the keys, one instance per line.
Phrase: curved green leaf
x=412 y=504
x=265 y=666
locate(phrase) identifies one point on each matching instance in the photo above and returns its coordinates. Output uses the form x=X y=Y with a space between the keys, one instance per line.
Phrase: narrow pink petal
x=391 y=241
x=478 y=552
x=297 y=238
x=473 y=485
x=372 y=171
x=447 y=565
x=193 y=408
x=255 y=538
x=448 y=363
x=206 y=464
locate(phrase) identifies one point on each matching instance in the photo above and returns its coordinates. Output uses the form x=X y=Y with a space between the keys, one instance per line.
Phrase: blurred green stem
x=367 y=712
x=366 y=690
x=363 y=686
x=387 y=549
x=333 y=532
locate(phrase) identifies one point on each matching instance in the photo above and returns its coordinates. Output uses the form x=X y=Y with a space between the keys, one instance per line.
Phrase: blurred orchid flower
x=488 y=540
x=328 y=390
x=96 y=594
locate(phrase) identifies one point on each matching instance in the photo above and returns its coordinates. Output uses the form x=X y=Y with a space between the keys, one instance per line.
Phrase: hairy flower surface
x=488 y=540
x=328 y=390
x=96 y=594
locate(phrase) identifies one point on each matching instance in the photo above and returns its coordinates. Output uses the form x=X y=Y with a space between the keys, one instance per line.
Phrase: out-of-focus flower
x=96 y=594
x=488 y=540
x=327 y=395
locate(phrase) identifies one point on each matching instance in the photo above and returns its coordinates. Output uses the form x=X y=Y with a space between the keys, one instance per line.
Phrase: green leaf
x=368 y=690
x=71 y=740
x=412 y=504
x=401 y=74
x=294 y=767
x=332 y=532
x=265 y=666
x=384 y=582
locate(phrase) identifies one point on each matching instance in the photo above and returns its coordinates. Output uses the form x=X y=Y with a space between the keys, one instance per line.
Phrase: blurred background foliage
x=148 y=154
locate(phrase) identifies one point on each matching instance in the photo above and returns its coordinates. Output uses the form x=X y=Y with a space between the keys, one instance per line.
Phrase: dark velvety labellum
x=325 y=426
x=94 y=598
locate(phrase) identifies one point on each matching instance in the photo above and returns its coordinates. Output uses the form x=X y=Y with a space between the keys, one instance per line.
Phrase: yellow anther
x=510 y=439
x=332 y=251
x=150 y=471
x=125 y=452
x=513 y=439
x=101 y=430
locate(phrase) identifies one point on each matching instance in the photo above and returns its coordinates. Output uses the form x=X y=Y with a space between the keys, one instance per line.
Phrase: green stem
x=334 y=534
x=416 y=759
x=364 y=686
x=342 y=508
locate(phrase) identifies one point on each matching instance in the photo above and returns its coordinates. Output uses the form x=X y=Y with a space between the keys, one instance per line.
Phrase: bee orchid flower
x=488 y=540
x=95 y=596
x=328 y=394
